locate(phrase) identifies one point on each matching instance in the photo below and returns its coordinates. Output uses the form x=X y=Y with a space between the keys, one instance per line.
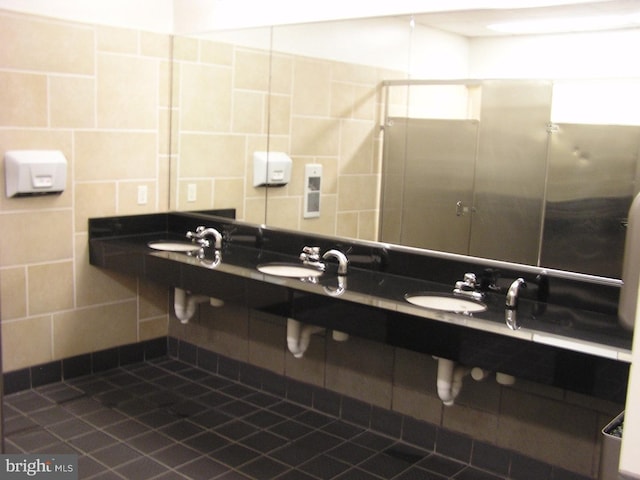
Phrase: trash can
x=610 y=454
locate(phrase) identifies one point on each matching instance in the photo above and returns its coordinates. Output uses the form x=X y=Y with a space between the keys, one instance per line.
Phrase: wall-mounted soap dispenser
x=272 y=169
x=628 y=303
x=34 y=172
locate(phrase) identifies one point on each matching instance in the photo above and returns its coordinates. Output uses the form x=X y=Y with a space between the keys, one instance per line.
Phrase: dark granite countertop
x=589 y=332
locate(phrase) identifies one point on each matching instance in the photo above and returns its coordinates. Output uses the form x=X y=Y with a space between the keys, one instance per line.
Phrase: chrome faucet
x=511 y=318
x=512 y=293
x=468 y=287
x=201 y=234
x=311 y=256
x=343 y=261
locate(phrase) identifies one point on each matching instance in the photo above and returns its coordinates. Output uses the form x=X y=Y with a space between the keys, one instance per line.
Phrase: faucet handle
x=468 y=286
x=310 y=254
x=197 y=232
x=468 y=283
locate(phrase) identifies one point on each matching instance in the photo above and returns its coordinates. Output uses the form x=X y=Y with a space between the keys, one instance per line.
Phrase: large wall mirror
x=538 y=171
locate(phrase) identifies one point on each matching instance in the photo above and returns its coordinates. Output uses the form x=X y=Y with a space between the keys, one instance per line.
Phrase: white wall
x=148 y=15
x=438 y=55
x=192 y=16
x=384 y=43
x=205 y=15
x=588 y=55
x=381 y=42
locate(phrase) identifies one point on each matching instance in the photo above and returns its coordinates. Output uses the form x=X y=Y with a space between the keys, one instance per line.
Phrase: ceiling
x=473 y=23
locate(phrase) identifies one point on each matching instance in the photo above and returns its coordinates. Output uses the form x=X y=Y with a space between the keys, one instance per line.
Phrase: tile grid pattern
x=426 y=436
x=165 y=419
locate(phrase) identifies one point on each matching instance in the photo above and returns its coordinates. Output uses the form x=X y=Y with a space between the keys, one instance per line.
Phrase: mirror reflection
x=513 y=163
x=329 y=113
x=220 y=100
x=501 y=174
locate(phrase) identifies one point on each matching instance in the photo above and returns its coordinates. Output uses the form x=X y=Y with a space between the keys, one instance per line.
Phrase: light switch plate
x=192 y=192
x=142 y=195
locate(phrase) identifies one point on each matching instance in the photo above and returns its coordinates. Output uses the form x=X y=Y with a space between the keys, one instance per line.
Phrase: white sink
x=173 y=246
x=291 y=270
x=446 y=303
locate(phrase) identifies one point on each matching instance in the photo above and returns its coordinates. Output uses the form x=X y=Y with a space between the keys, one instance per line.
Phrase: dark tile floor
x=165 y=419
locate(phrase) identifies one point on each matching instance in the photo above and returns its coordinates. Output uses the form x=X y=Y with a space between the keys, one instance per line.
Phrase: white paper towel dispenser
x=34 y=172
x=271 y=169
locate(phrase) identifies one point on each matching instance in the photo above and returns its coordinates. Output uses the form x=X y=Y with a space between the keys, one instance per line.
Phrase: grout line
x=177 y=375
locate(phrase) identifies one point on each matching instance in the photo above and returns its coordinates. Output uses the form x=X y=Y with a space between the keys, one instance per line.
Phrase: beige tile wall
x=315 y=110
x=545 y=423
x=101 y=96
x=220 y=115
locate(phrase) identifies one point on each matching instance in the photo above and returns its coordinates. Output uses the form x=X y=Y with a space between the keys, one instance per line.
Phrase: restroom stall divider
x=500 y=180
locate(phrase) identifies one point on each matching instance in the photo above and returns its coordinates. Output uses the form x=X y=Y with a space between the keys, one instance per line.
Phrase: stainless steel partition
x=511 y=168
x=591 y=184
x=511 y=186
x=432 y=209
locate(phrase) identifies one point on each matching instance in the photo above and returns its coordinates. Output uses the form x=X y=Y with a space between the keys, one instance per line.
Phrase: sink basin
x=173 y=246
x=291 y=270
x=445 y=302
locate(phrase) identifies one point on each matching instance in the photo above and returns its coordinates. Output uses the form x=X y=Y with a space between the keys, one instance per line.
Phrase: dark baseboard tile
x=81 y=365
x=492 y=458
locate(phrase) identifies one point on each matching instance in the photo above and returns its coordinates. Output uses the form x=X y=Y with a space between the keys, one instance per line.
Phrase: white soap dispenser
x=628 y=303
